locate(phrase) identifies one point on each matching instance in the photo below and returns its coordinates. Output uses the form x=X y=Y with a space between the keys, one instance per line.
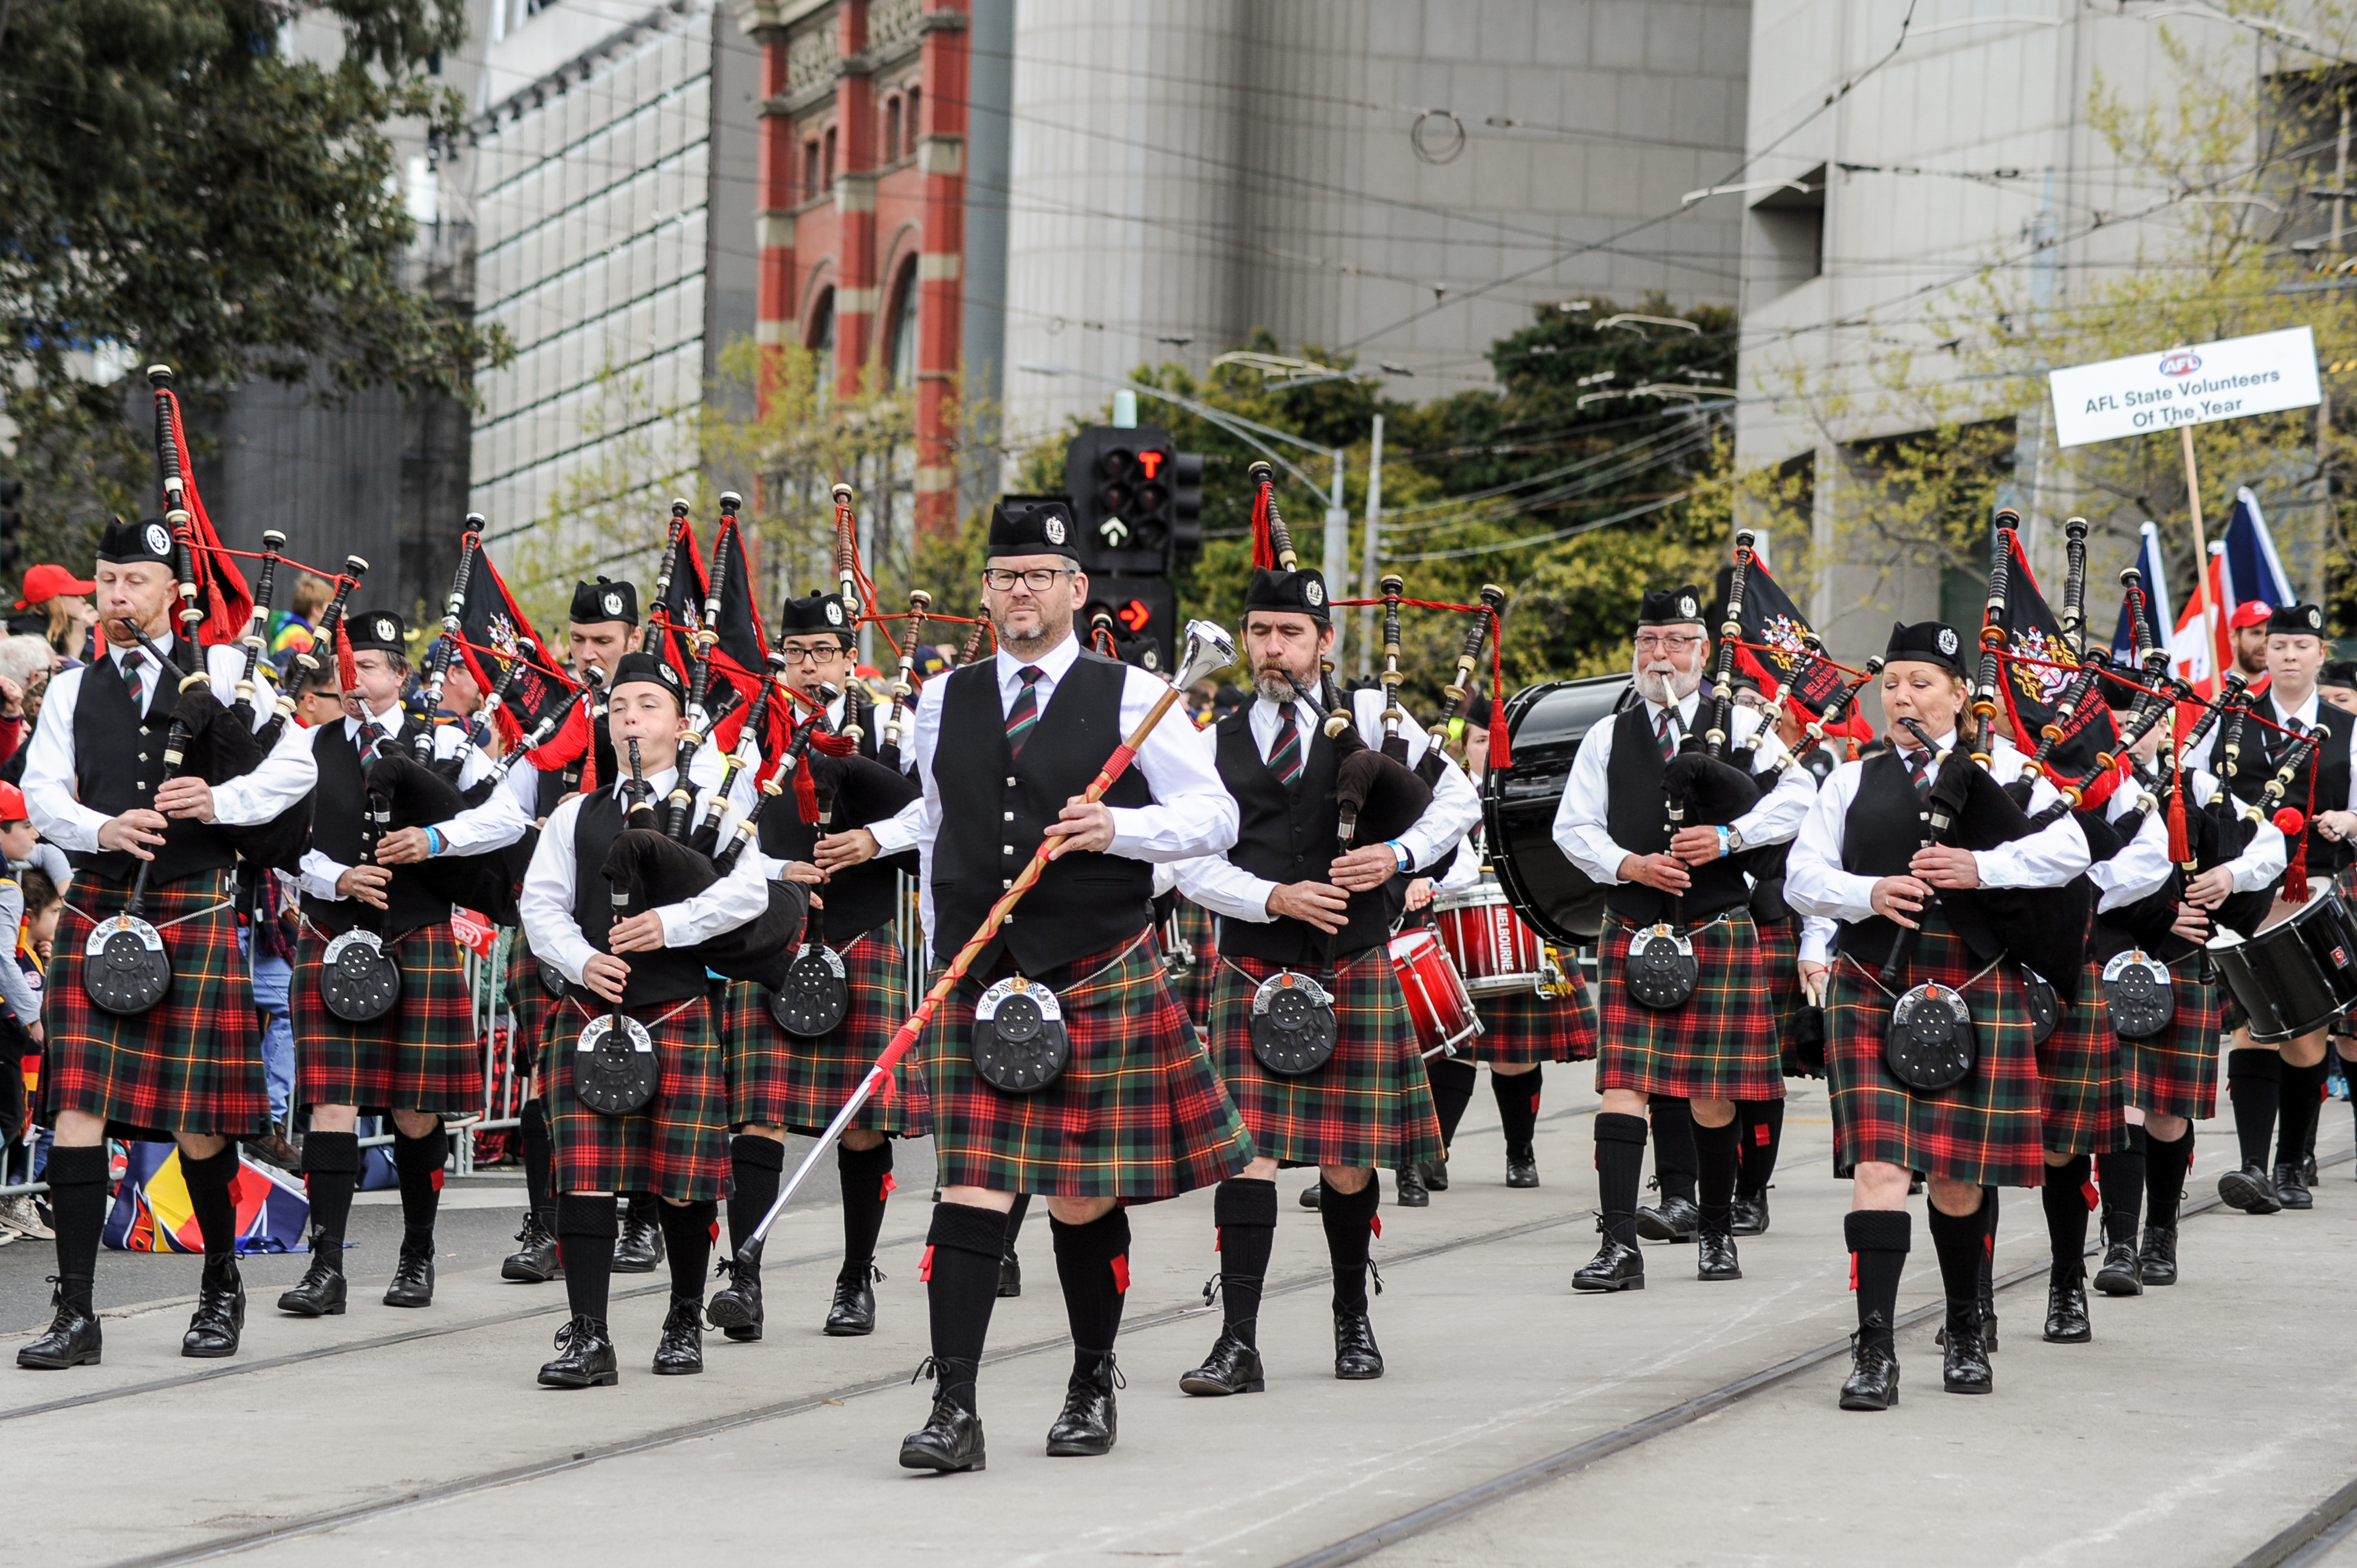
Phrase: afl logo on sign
x=2183 y=363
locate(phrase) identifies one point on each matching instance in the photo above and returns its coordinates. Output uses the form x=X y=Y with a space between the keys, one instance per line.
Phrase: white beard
x=1663 y=687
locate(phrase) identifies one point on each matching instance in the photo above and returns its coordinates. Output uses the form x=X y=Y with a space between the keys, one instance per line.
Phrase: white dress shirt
x=1226 y=888
x=498 y=822
x=546 y=902
x=2257 y=743
x=1815 y=883
x=1191 y=814
x=282 y=779
x=2141 y=867
x=1580 y=829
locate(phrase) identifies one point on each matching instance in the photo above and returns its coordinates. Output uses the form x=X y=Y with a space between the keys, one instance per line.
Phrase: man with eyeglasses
x=1719 y=1044
x=1004 y=750
x=780 y=1083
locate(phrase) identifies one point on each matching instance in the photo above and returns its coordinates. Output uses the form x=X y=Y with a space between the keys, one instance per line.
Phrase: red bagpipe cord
x=1501 y=751
x=1264 y=546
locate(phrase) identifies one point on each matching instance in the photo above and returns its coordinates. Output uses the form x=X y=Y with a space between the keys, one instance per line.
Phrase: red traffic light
x=1134 y=614
x=1151 y=461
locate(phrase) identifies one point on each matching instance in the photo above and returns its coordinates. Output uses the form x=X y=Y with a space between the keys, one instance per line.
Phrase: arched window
x=811 y=187
x=829 y=169
x=892 y=129
x=912 y=122
x=821 y=344
x=903 y=359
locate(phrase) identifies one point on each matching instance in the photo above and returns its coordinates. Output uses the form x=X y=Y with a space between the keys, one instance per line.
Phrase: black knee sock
x=2121 y=1176
x=1716 y=1155
x=1349 y=1219
x=1763 y=1122
x=2303 y=1097
x=687 y=1245
x=1675 y=1162
x=1452 y=1091
x=866 y=1182
x=418 y=1162
x=2254 y=1084
x=1245 y=1212
x=2166 y=1167
x=331 y=1165
x=641 y=1208
x=961 y=1270
x=1014 y=1219
x=1879 y=1241
x=77 y=1178
x=215 y=1210
x=1960 y=1240
x=1518 y=1105
x=1093 y=1264
x=586 y=1229
x=532 y=1133
x=2064 y=1197
x=1620 y=1161
x=1989 y=1211
x=755 y=1166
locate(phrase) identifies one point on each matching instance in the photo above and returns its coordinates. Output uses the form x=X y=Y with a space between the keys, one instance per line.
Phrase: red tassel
x=1121 y=1273
x=2295 y=887
x=1376 y=1224
x=1264 y=547
x=2094 y=1198
x=925 y=1264
x=805 y=795
x=890 y=1188
x=589 y=768
x=347 y=673
x=1853 y=1271
x=2181 y=848
x=1502 y=749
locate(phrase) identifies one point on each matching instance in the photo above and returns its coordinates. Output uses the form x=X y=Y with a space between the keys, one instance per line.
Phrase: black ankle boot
x=322 y=1291
x=2121 y=1273
x=1616 y=1266
x=1965 y=1366
x=1873 y=1381
x=1356 y=1357
x=535 y=1262
x=950 y=1439
x=2066 y=1308
x=734 y=1309
x=220 y=1319
x=1232 y=1368
x=1521 y=1166
x=1413 y=1193
x=853 y=1312
x=1088 y=1423
x=1715 y=1255
x=2157 y=1264
x=585 y=1357
x=413 y=1275
x=72 y=1338
x=680 y=1352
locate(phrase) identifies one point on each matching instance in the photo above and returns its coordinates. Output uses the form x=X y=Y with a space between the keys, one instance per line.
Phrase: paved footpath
x=1519 y=1424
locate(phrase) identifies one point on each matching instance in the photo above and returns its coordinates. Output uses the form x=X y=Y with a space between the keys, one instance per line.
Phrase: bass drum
x=1544 y=724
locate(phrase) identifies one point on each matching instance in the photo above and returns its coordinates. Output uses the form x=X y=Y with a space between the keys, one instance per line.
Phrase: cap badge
x=384 y=630
x=1314 y=591
x=2315 y=618
x=1687 y=605
x=158 y=542
x=1948 y=641
x=1055 y=527
x=833 y=613
x=613 y=603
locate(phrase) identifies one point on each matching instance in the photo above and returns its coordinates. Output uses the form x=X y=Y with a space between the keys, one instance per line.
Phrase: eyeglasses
x=1647 y=641
x=809 y=654
x=1039 y=579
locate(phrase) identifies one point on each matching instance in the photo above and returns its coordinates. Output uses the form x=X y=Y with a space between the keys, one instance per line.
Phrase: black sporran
x=1661 y=970
x=2045 y=1007
x=2138 y=994
x=1929 y=1044
x=125 y=969
x=358 y=979
x=615 y=1071
x=815 y=994
x=1293 y=1027
x=1020 y=1043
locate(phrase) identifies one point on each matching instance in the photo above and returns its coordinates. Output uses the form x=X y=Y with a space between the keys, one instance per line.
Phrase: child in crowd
x=20 y=1010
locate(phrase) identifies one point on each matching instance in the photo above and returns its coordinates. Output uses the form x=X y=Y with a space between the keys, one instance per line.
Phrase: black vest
x=857 y=900
x=2263 y=752
x=118 y=767
x=335 y=833
x=667 y=974
x=1884 y=826
x=1288 y=835
x=1638 y=821
x=995 y=811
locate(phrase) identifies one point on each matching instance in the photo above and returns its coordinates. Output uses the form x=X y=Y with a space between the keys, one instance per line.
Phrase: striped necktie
x=372 y=736
x=1284 y=758
x=1919 y=772
x=1023 y=716
x=134 y=680
x=1662 y=733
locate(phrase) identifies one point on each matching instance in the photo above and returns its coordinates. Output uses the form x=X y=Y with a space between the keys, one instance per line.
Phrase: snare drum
x=2293 y=977
x=1495 y=953
x=1437 y=1002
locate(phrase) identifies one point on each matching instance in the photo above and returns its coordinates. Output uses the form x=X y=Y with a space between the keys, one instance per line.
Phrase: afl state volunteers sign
x=2161 y=391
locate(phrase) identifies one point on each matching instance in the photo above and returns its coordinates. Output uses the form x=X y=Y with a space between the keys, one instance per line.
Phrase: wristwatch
x=1733 y=840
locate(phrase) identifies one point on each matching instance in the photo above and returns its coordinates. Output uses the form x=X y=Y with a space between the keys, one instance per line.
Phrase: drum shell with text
x=1496 y=953
x=1437 y=1002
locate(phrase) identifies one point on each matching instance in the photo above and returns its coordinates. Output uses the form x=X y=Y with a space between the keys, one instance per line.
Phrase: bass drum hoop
x=1292 y=1025
x=814 y=996
x=1019 y=1044
x=358 y=981
x=124 y=970
x=617 y=1078
x=2294 y=977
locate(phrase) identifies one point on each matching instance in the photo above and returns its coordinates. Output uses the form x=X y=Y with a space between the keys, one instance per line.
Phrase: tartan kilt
x=1198 y=986
x=1138 y=1112
x=2175 y=1073
x=1520 y=1027
x=1370 y=1106
x=535 y=1009
x=1780 y=957
x=1987 y=1130
x=422 y=1055
x=1720 y=1045
x=677 y=1144
x=190 y=1064
x=781 y=1080
x=2078 y=1076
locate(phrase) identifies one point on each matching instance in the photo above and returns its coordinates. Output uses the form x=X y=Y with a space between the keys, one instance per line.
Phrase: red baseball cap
x=2249 y=613
x=12 y=805
x=47 y=582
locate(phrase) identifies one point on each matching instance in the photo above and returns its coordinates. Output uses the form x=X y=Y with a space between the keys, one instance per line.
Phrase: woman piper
x=1862 y=859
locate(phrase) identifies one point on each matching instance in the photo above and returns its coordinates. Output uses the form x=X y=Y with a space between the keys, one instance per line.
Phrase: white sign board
x=2161 y=391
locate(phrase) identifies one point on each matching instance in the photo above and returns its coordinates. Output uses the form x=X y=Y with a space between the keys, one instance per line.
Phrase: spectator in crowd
x=24 y=658
x=293 y=629
x=20 y=1012
x=61 y=602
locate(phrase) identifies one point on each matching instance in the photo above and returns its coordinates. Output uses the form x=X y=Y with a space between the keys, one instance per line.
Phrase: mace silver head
x=1209 y=650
